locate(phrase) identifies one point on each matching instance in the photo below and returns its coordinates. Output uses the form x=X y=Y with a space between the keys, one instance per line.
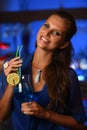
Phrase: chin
x=41 y=45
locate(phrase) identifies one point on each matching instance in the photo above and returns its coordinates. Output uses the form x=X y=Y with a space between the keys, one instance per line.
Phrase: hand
x=32 y=108
x=13 y=65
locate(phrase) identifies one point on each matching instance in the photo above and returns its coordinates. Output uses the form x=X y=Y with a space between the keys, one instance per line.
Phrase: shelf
x=28 y=16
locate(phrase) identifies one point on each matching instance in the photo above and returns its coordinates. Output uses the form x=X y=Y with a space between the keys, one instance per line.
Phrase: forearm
x=5 y=102
x=63 y=120
x=35 y=109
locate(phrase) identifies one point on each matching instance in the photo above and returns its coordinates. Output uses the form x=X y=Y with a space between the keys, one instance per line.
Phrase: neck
x=41 y=58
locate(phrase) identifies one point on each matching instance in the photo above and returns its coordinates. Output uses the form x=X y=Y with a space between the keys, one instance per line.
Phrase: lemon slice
x=13 y=79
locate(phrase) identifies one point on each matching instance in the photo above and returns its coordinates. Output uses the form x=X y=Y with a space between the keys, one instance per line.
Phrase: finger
x=14 y=59
x=10 y=71
x=18 y=62
x=24 y=104
x=12 y=68
x=28 y=112
x=15 y=65
x=27 y=109
x=32 y=105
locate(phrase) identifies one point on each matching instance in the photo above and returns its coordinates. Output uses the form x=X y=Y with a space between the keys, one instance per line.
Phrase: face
x=52 y=34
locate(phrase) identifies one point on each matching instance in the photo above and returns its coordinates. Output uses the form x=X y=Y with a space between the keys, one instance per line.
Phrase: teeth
x=44 y=39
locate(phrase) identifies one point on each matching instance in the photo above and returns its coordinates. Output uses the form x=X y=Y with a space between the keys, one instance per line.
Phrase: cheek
x=57 y=42
x=38 y=35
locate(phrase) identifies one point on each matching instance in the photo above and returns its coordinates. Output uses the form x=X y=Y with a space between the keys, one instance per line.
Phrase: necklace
x=38 y=76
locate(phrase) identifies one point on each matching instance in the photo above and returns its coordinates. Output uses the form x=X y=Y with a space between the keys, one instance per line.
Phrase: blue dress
x=21 y=121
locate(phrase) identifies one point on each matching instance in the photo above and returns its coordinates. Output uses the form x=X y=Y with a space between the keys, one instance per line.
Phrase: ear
x=64 y=45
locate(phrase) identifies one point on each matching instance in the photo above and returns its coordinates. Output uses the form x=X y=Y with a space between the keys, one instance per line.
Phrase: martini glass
x=24 y=91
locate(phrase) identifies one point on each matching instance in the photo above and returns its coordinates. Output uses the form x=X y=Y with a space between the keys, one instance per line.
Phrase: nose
x=47 y=33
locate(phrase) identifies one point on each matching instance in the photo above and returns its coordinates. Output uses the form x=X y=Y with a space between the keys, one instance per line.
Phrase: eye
x=46 y=25
x=55 y=32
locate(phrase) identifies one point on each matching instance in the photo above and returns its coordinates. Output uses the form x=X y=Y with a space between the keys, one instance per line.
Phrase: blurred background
x=21 y=19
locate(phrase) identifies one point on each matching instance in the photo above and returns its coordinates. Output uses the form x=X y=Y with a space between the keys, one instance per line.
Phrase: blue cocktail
x=24 y=91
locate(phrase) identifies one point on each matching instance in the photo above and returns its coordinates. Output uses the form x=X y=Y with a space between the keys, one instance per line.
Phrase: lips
x=44 y=39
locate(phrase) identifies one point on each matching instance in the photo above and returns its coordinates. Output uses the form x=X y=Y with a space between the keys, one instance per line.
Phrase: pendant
x=13 y=79
x=38 y=75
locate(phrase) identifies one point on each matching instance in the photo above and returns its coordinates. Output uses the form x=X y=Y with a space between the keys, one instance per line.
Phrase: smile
x=44 y=39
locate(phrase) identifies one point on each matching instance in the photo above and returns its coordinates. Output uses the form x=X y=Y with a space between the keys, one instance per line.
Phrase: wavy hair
x=57 y=72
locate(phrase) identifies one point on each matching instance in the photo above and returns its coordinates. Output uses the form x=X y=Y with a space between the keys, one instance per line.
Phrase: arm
x=40 y=112
x=6 y=102
x=66 y=121
x=75 y=117
x=6 y=91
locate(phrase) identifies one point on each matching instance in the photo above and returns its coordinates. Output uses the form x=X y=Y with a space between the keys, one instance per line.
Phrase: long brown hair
x=57 y=72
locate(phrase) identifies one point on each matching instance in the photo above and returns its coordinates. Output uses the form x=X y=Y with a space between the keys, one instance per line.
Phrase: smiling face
x=53 y=33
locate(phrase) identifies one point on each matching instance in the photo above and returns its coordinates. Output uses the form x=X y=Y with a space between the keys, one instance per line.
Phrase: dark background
x=21 y=19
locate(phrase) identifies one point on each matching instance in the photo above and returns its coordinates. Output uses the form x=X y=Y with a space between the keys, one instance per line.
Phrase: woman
x=56 y=101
